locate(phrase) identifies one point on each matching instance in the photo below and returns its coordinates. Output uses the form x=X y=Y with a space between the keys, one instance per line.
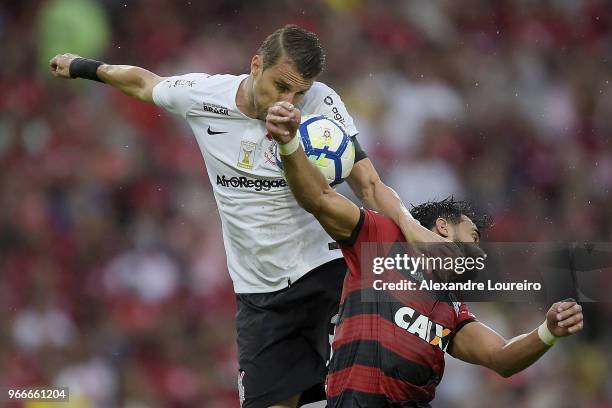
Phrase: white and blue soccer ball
x=328 y=147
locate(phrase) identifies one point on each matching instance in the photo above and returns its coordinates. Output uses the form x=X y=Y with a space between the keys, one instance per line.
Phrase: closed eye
x=282 y=87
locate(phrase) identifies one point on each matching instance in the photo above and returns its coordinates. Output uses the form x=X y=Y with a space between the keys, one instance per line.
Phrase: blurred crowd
x=112 y=269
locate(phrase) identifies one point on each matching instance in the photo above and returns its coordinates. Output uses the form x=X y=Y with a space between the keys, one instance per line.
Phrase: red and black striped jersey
x=389 y=346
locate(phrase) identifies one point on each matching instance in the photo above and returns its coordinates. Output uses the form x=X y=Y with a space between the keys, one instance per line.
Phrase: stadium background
x=112 y=269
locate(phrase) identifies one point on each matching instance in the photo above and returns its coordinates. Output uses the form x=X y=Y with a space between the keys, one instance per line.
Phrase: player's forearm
x=376 y=195
x=385 y=200
x=133 y=81
x=518 y=354
x=307 y=183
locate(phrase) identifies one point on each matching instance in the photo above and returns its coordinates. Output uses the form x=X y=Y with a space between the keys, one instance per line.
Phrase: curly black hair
x=449 y=209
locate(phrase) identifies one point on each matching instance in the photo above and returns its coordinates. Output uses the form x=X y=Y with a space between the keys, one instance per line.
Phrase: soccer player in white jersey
x=286 y=272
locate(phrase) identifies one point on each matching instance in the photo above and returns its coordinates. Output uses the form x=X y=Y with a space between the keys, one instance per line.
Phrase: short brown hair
x=299 y=45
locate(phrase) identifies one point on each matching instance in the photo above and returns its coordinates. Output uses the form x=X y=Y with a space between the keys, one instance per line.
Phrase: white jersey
x=270 y=241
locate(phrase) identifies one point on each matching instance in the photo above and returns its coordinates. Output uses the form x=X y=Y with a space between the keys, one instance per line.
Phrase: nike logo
x=212 y=132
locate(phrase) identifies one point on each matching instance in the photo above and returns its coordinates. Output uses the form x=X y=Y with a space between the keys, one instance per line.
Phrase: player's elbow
x=316 y=204
x=503 y=367
x=139 y=83
x=144 y=91
x=311 y=206
x=500 y=367
x=144 y=95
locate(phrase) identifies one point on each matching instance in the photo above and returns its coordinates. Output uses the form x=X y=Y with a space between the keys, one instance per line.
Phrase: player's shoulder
x=320 y=87
x=185 y=81
x=198 y=94
x=318 y=92
x=225 y=78
x=379 y=221
x=198 y=81
x=321 y=99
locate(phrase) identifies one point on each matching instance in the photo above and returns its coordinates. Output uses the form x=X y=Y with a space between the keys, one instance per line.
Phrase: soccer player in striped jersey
x=390 y=352
x=277 y=254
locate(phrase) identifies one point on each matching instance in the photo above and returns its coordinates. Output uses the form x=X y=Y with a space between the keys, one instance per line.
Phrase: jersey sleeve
x=372 y=227
x=177 y=94
x=464 y=317
x=327 y=102
x=360 y=154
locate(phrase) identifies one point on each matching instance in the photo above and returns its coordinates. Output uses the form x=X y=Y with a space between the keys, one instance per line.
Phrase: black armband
x=85 y=68
x=359 y=153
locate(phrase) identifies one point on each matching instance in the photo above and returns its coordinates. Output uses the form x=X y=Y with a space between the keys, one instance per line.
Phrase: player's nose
x=287 y=97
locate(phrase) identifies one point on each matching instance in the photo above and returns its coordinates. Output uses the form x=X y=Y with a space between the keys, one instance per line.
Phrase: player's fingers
x=275 y=129
x=279 y=109
x=275 y=124
x=577 y=327
x=286 y=105
x=568 y=312
x=278 y=119
x=295 y=116
x=570 y=321
x=565 y=304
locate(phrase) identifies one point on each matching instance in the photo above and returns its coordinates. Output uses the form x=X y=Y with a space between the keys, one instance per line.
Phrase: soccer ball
x=327 y=145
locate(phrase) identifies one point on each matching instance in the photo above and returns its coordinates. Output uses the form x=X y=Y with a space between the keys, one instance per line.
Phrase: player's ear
x=256 y=65
x=442 y=227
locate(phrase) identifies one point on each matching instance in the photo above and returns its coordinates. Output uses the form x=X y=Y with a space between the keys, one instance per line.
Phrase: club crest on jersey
x=419 y=325
x=246 y=158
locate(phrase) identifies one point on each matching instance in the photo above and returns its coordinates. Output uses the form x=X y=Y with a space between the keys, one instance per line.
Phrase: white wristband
x=545 y=335
x=290 y=147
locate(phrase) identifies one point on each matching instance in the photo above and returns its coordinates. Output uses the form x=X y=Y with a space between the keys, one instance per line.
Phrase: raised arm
x=338 y=215
x=376 y=195
x=133 y=81
x=478 y=344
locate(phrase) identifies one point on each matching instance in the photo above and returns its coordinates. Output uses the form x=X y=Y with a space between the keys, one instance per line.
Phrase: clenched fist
x=60 y=65
x=283 y=121
x=564 y=318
